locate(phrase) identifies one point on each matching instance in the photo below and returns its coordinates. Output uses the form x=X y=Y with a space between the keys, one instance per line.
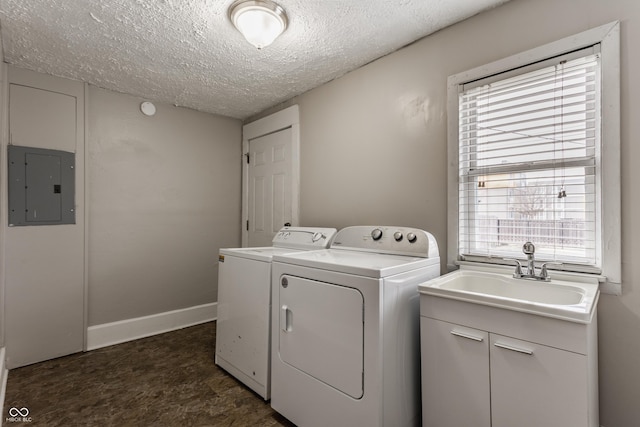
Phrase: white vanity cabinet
x=485 y=366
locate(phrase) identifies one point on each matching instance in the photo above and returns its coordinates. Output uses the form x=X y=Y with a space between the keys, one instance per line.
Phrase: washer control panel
x=384 y=239
x=304 y=237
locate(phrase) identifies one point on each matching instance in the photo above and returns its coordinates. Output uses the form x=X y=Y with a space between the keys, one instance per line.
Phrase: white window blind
x=529 y=160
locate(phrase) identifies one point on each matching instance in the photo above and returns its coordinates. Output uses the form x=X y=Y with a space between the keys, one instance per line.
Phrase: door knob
x=287 y=224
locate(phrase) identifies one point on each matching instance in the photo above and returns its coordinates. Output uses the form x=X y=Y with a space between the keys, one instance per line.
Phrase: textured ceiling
x=187 y=53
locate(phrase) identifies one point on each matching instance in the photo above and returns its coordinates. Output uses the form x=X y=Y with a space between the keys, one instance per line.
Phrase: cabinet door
x=455 y=375
x=533 y=385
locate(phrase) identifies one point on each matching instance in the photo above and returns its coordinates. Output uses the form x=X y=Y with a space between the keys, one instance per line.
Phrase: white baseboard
x=107 y=334
x=4 y=375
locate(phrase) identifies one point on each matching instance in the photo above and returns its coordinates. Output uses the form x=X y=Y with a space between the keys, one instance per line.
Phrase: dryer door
x=322 y=332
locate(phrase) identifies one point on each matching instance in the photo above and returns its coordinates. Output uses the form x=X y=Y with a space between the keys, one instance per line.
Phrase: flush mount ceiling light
x=259 y=21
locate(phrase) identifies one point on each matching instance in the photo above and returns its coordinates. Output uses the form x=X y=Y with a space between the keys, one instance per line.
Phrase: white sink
x=569 y=300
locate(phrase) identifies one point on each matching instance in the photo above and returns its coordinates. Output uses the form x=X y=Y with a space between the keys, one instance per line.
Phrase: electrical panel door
x=41 y=186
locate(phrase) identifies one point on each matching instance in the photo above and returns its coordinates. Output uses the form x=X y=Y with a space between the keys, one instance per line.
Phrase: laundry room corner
x=163 y=201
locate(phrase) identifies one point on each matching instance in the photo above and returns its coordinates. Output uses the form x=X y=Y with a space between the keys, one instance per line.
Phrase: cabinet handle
x=516 y=349
x=467 y=336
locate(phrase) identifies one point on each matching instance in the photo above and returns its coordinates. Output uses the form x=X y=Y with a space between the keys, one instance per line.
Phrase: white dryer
x=345 y=328
x=244 y=303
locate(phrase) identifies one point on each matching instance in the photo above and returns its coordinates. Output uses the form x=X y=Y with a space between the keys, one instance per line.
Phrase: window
x=528 y=162
x=535 y=147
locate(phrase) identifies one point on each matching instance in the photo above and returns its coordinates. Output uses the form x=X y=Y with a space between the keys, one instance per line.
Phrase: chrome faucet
x=529 y=250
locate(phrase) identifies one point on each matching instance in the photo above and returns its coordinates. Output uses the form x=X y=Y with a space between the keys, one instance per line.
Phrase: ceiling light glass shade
x=259 y=21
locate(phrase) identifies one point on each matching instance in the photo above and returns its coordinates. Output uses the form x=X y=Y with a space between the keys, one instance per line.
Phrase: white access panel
x=44 y=305
x=321 y=332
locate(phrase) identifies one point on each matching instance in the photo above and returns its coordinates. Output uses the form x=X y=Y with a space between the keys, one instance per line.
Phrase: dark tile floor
x=165 y=380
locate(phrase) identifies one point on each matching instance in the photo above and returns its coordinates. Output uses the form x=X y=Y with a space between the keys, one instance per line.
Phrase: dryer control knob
x=376 y=234
x=398 y=236
x=411 y=237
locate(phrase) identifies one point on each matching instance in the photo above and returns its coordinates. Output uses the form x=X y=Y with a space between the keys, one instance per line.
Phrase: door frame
x=287 y=118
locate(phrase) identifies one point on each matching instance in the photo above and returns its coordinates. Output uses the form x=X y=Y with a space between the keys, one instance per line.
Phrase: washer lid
x=358 y=263
x=287 y=240
x=264 y=254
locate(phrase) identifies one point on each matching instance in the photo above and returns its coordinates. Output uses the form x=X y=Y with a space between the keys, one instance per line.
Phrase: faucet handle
x=544 y=274
x=518 y=273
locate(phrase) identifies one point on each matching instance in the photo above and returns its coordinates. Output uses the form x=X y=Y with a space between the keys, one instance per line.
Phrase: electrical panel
x=41 y=186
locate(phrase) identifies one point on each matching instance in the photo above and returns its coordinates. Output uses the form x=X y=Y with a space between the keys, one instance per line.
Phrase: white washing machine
x=345 y=328
x=244 y=303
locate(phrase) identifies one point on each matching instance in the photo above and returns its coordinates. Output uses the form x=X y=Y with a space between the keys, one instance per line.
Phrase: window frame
x=608 y=38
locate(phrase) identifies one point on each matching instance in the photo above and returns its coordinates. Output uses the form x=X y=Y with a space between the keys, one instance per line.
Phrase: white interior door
x=271 y=175
x=269 y=167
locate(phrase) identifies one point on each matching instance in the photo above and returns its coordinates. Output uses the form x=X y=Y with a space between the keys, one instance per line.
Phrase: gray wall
x=164 y=196
x=373 y=151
